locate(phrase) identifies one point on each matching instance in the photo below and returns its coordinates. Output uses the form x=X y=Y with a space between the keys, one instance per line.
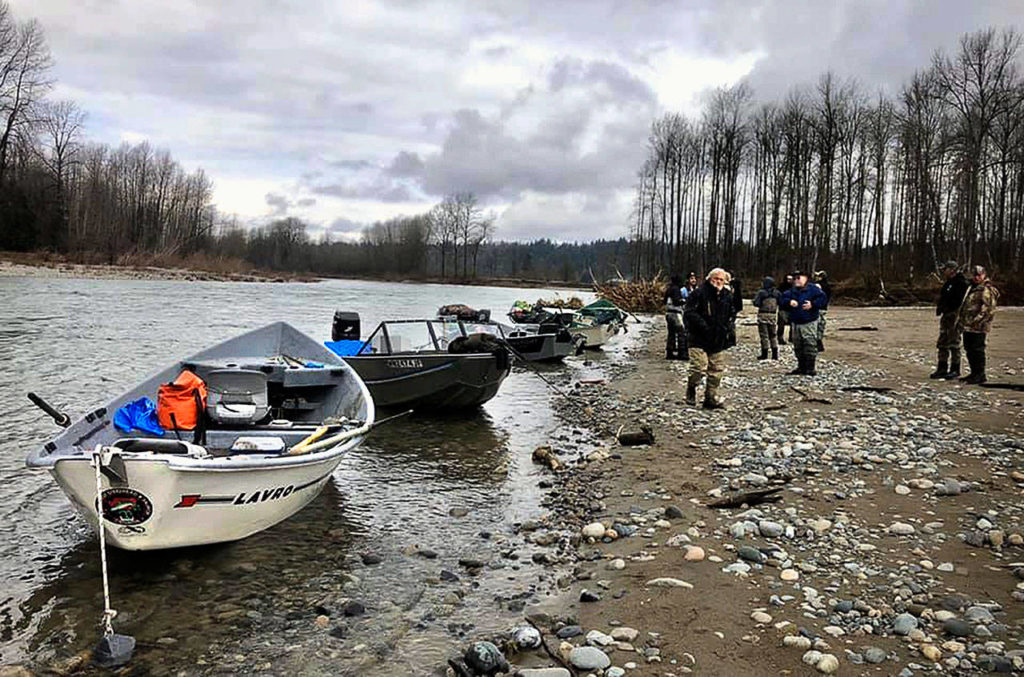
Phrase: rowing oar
x=315 y=443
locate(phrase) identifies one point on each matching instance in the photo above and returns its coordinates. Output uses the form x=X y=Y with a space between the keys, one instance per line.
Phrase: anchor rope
x=108 y=613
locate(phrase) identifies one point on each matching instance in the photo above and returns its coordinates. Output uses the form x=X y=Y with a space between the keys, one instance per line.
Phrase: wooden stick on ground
x=804 y=397
x=866 y=389
x=747 y=498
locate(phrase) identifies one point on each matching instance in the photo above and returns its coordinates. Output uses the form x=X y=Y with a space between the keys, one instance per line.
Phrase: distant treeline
x=835 y=177
x=411 y=248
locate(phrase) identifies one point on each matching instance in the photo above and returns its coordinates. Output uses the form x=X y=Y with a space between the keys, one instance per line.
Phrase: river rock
x=873 y=654
x=931 y=652
x=673 y=512
x=761 y=618
x=979 y=614
x=594 y=530
x=624 y=633
x=827 y=664
x=750 y=554
x=527 y=637
x=901 y=529
x=569 y=631
x=956 y=627
x=589 y=658
x=484 y=658
x=797 y=642
x=598 y=638
x=903 y=624
x=543 y=672
x=770 y=529
x=693 y=553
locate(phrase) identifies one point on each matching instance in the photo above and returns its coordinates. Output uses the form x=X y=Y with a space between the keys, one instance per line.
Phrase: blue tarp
x=138 y=414
x=346 y=348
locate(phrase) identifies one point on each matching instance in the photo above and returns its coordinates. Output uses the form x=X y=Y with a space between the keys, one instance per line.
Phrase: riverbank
x=895 y=545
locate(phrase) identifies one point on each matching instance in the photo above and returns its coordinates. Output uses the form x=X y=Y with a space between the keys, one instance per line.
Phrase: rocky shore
x=893 y=542
x=84 y=271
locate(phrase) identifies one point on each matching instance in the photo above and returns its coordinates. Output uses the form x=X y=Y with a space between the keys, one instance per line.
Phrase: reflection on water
x=436 y=483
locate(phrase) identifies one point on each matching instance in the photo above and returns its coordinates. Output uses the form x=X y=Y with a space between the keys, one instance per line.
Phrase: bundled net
x=635 y=296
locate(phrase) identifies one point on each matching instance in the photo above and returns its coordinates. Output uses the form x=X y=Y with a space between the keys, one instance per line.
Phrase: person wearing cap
x=786 y=285
x=975 y=319
x=675 y=299
x=821 y=279
x=948 y=310
x=691 y=283
x=804 y=301
x=710 y=316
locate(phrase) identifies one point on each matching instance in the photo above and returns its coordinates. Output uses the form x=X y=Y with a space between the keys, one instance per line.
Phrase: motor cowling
x=346 y=326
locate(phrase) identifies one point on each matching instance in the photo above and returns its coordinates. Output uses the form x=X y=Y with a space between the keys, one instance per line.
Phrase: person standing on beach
x=804 y=301
x=710 y=313
x=976 y=314
x=675 y=300
x=786 y=285
x=821 y=279
x=691 y=283
x=767 y=303
x=948 y=310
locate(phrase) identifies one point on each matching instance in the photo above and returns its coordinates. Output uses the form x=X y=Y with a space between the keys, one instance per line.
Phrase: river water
x=454 y=485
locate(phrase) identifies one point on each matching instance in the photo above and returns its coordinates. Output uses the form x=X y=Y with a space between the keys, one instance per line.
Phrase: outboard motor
x=345 y=327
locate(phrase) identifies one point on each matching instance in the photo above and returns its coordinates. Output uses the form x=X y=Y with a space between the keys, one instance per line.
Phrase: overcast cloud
x=342 y=113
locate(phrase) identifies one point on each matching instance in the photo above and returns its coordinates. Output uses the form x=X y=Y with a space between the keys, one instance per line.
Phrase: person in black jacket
x=710 y=322
x=786 y=285
x=675 y=299
x=821 y=279
x=947 y=309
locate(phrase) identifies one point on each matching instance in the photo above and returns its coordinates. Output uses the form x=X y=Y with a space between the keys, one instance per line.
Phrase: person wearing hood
x=975 y=319
x=804 y=301
x=821 y=279
x=767 y=303
x=710 y=322
x=954 y=289
x=675 y=300
x=786 y=285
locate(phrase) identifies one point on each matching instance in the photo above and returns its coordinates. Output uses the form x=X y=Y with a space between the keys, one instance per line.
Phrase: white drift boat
x=280 y=412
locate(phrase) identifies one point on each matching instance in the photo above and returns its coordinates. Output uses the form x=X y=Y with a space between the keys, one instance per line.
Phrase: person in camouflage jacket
x=975 y=319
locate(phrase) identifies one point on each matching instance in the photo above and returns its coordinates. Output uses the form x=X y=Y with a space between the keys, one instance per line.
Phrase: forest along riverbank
x=895 y=543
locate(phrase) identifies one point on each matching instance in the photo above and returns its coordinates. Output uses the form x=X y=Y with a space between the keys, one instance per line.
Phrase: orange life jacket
x=185 y=397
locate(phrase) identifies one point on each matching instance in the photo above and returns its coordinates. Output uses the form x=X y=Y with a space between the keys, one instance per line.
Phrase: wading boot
x=809 y=366
x=954 y=369
x=691 y=395
x=775 y=353
x=800 y=366
x=763 y=355
x=821 y=346
x=942 y=371
x=711 y=402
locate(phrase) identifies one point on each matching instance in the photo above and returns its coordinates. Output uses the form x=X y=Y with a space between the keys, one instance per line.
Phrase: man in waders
x=947 y=310
x=675 y=299
x=709 y=317
x=767 y=304
x=804 y=302
x=821 y=279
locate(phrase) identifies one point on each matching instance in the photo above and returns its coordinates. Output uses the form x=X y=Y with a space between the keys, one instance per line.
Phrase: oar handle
x=60 y=418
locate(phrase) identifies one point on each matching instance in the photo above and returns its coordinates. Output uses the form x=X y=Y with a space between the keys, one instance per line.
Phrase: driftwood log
x=635 y=296
x=1004 y=386
x=543 y=642
x=864 y=328
x=747 y=498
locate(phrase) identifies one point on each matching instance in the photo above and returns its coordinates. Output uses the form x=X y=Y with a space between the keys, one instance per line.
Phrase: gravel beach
x=893 y=546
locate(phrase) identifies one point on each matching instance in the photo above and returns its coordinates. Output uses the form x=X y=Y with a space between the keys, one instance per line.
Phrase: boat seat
x=236 y=396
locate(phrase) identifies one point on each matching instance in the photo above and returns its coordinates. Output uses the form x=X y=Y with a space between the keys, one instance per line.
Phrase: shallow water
x=250 y=605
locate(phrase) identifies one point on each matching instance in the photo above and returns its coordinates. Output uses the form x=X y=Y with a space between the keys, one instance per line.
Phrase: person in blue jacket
x=804 y=302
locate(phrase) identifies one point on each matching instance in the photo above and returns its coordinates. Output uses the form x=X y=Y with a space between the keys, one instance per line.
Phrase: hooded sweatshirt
x=767 y=299
x=809 y=292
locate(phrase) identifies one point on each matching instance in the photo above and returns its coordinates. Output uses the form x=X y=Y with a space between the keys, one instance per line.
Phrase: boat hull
x=542 y=347
x=442 y=381
x=171 y=508
x=596 y=335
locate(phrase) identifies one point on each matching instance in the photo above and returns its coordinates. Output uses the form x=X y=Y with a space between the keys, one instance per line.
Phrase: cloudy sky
x=342 y=112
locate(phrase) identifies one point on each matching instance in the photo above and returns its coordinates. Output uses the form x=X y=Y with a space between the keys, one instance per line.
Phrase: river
x=454 y=485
